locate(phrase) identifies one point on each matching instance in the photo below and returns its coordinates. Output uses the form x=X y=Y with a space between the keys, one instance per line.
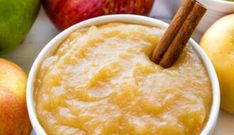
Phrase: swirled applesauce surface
x=101 y=81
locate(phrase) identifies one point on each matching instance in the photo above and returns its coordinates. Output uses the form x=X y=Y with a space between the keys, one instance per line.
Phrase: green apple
x=14 y=118
x=16 y=19
x=218 y=43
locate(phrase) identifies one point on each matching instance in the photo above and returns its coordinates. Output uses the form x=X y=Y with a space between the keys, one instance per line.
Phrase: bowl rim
x=135 y=19
x=221 y=6
x=221 y=1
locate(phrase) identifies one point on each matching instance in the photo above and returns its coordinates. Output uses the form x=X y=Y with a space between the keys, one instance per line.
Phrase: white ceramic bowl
x=215 y=10
x=53 y=44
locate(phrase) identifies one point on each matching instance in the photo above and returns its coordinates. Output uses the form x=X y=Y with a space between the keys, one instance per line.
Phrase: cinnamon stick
x=183 y=36
x=172 y=30
x=178 y=33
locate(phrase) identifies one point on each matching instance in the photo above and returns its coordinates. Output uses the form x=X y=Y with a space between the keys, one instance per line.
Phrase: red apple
x=14 y=118
x=65 y=13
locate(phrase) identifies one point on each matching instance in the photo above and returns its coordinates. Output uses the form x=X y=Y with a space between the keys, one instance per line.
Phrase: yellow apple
x=218 y=43
x=14 y=118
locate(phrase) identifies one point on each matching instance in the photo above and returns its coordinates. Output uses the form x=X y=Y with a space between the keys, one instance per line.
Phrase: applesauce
x=100 y=81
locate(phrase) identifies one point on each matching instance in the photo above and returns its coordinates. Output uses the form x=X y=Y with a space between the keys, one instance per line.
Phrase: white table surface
x=43 y=31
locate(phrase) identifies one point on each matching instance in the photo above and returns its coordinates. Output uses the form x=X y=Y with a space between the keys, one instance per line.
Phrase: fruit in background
x=218 y=43
x=16 y=19
x=14 y=118
x=65 y=13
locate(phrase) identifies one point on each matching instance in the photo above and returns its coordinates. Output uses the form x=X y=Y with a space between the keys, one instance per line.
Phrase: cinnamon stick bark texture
x=178 y=33
x=172 y=30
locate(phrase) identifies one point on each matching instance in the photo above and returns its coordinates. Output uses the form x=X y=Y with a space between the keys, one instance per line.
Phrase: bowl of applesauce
x=96 y=78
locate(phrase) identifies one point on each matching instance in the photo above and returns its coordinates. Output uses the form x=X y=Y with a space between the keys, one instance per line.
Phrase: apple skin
x=14 y=118
x=65 y=13
x=218 y=43
x=16 y=19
